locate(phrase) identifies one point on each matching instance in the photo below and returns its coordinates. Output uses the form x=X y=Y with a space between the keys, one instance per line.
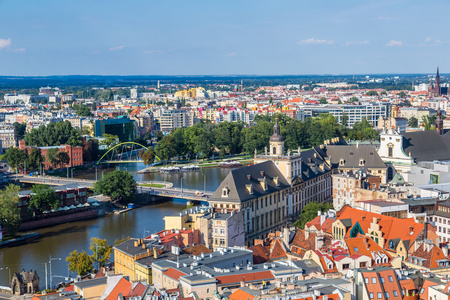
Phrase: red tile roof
x=247 y=277
x=241 y=295
x=174 y=273
x=277 y=250
x=260 y=254
x=123 y=287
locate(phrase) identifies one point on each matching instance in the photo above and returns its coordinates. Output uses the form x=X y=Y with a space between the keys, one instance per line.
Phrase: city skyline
x=197 y=38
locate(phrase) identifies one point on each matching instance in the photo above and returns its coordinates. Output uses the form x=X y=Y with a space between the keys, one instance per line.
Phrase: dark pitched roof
x=351 y=154
x=238 y=179
x=427 y=145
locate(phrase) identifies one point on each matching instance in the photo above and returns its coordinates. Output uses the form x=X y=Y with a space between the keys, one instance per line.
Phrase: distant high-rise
x=158 y=85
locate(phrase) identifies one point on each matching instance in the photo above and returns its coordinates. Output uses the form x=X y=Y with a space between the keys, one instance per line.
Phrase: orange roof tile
x=247 y=277
x=174 y=273
x=241 y=295
x=260 y=254
x=123 y=287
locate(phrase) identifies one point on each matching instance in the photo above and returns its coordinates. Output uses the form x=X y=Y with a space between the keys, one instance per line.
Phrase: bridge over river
x=180 y=193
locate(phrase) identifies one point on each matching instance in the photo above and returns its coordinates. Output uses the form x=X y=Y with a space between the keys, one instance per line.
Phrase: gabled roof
x=237 y=180
x=260 y=254
x=241 y=295
x=427 y=145
x=352 y=154
x=123 y=287
x=365 y=246
x=277 y=250
x=174 y=273
x=429 y=257
x=247 y=277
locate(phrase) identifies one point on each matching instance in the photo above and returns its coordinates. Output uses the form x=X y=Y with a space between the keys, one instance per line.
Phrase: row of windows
x=374 y=279
x=379 y=295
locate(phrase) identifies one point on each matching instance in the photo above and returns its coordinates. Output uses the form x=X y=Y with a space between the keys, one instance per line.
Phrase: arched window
x=390 y=150
x=274 y=150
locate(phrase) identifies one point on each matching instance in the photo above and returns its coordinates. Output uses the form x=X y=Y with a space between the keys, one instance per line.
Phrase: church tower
x=289 y=164
x=276 y=142
x=437 y=91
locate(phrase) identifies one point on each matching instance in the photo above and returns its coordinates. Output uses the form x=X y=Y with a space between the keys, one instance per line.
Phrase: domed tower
x=276 y=142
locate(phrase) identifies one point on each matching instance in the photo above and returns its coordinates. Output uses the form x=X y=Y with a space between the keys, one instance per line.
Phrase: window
x=366 y=280
x=395 y=293
x=345 y=266
x=379 y=296
x=371 y=295
x=382 y=280
x=390 y=279
x=386 y=294
x=374 y=280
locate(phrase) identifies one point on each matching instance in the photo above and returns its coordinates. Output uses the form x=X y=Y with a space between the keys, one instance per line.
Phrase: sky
x=233 y=37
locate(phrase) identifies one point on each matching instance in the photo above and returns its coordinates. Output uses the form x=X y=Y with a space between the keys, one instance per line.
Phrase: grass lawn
x=153 y=185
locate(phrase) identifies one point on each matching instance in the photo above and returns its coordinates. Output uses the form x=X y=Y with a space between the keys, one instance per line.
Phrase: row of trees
x=54 y=134
x=20 y=159
x=205 y=139
x=119 y=185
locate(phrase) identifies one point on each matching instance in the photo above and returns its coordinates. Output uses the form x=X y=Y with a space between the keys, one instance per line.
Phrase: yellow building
x=126 y=253
x=185 y=220
x=91 y=289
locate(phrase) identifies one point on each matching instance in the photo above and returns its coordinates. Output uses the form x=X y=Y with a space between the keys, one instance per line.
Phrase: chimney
x=286 y=236
x=136 y=243
x=143 y=246
x=155 y=253
x=445 y=250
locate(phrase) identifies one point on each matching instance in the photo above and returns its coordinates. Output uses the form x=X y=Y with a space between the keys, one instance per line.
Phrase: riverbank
x=21 y=239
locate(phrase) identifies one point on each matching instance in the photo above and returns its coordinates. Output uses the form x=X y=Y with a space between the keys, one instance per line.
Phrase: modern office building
x=173 y=119
x=123 y=127
x=355 y=113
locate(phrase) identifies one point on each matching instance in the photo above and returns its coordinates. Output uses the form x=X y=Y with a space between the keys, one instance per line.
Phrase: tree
x=20 y=129
x=413 y=122
x=54 y=134
x=109 y=140
x=344 y=120
x=79 y=262
x=119 y=185
x=401 y=94
x=82 y=110
x=309 y=213
x=101 y=249
x=165 y=148
x=353 y=100
x=90 y=150
x=371 y=93
x=15 y=157
x=159 y=135
x=428 y=122
x=9 y=211
x=43 y=197
x=34 y=159
x=120 y=241
x=323 y=100
x=148 y=156
x=62 y=159
x=52 y=156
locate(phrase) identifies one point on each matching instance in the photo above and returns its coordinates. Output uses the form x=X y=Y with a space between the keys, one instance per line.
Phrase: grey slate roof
x=351 y=154
x=427 y=145
x=237 y=180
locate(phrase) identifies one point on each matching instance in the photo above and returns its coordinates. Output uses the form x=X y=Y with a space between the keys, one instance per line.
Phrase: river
x=59 y=241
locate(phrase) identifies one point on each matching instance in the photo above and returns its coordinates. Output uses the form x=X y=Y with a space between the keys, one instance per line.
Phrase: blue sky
x=264 y=37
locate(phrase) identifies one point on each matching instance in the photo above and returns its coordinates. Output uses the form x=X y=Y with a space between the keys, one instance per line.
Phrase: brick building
x=75 y=154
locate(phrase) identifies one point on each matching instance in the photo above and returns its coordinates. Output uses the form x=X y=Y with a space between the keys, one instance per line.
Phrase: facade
x=398 y=124
x=173 y=119
x=75 y=154
x=272 y=192
x=372 y=112
x=123 y=127
x=434 y=90
x=8 y=137
x=25 y=283
x=144 y=122
x=429 y=173
x=392 y=151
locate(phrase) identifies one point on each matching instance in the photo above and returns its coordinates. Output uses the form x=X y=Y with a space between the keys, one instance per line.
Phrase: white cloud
x=5 y=43
x=116 y=48
x=230 y=54
x=313 y=41
x=19 y=50
x=428 y=39
x=349 y=43
x=394 y=43
x=154 y=52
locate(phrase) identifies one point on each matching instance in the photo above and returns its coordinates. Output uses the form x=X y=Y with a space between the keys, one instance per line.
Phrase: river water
x=59 y=241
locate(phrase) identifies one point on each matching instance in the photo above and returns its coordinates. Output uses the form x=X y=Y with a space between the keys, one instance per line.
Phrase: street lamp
x=182 y=186
x=96 y=173
x=51 y=277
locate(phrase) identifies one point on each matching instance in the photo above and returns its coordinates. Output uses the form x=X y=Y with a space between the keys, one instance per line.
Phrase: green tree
x=344 y=120
x=119 y=185
x=34 y=159
x=43 y=197
x=20 y=129
x=79 y=262
x=54 y=134
x=148 y=156
x=120 y=241
x=159 y=135
x=15 y=158
x=413 y=122
x=90 y=150
x=353 y=100
x=9 y=211
x=165 y=148
x=82 y=110
x=363 y=131
x=371 y=93
x=323 y=100
x=309 y=213
x=109 y=140
x=102 y=251
x=62 y=159
x=428 y=122
x=52 y=156
x=401 y=94
x=383 y=93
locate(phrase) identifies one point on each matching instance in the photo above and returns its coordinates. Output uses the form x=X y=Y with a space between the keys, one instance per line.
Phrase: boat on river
x=169 y=170
x=230 y=164
x=191 y=168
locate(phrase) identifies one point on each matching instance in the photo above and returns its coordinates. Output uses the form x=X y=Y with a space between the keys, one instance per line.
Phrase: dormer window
x=249 y=188
x=225 y=192
x=361 y=162
x=341 y=162
x=277 y=182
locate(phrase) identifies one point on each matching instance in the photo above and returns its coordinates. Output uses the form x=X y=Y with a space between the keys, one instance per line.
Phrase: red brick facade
x=75 y=154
